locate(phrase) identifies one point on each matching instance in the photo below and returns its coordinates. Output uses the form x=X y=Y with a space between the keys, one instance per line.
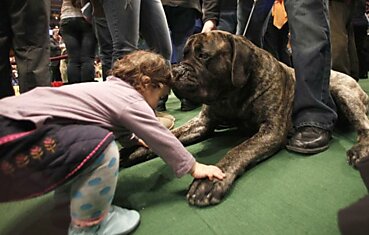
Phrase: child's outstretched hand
x=199 y=171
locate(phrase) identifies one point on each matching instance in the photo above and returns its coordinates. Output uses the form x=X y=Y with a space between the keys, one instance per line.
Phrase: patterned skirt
x=36 y=161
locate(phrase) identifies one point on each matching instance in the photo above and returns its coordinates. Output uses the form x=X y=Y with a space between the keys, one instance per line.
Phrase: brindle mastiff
x=244 y=86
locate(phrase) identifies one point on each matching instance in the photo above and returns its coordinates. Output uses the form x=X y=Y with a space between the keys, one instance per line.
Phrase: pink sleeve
x=140 y=119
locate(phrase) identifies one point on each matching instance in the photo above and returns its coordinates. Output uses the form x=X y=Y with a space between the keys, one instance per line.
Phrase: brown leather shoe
x=309 y=140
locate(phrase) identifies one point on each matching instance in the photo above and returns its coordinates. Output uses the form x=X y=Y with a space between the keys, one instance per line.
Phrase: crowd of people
x=312 y=36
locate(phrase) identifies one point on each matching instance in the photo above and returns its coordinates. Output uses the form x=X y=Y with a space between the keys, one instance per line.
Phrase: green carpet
x=286 y=194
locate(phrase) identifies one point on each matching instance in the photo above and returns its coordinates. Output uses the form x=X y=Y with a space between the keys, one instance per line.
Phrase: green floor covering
x=286 y=194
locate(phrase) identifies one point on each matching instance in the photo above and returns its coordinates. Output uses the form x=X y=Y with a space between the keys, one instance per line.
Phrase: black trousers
x=344 y=56
x=24 y=26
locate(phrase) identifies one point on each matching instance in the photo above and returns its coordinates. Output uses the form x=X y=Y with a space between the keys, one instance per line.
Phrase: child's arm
x=140 y=119
x=199 y=170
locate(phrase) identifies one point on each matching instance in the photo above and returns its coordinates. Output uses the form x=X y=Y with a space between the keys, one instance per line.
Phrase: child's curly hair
x=132 y=67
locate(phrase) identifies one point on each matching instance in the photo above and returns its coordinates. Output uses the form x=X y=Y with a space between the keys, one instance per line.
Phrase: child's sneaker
x=118 y=221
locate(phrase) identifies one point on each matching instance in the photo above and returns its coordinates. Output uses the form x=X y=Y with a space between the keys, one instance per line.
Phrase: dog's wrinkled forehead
x=210 y=41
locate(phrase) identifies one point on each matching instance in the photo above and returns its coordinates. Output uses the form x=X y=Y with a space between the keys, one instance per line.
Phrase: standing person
x=344 y=55
x=221 y=15
x=126 y=19
x=72 y=144
x=55 y=51
x=181 y=17
x=103 y=37
x=360 y=23
x=24 y=26
x=276 y=36
x=314 y=113
x=80 y=42
x=253 y=28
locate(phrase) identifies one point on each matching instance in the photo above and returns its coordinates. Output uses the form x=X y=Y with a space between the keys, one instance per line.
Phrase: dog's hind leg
x=353 y=102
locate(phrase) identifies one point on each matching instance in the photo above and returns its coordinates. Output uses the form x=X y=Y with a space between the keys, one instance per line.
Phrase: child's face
x=152 y=94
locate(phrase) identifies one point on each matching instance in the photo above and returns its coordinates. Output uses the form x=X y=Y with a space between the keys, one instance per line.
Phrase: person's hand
x=199 y=171
x=209 y=26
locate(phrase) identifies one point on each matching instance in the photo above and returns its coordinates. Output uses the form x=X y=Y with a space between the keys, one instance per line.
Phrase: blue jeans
x=181 y=21
x=259 y=19
x=311 y=56
x=80 y=41
x=126 y=18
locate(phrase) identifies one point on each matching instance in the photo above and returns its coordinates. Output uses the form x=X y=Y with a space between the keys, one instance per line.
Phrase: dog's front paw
x=357 y=153
x=205 y=192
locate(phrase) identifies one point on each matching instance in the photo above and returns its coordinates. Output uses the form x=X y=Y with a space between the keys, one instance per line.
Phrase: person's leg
x=30 y=26
x=362 y=48
x=340 y=21
x=155 y=31
x=88 y=50
x=275 y=42
x=55 y=71
x=258 y=22
x=6 y=88
x=154 y=28
x=123 y=17
x=91 y=195
x=182 y=24
x=314 y=112
x=354 y=58
x=105 y=44
x=71 y=36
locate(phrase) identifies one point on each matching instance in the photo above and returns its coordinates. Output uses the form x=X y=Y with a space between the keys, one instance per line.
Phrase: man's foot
x=118 y=221
x=187 y=105
x=309 y=140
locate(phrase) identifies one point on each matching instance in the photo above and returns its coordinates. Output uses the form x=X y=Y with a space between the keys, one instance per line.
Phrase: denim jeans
x=127 y=18
x=258 y=22
x=311 y=57
x=80 y=41
x=24 y=26
x=181 y=21
x=105 y=44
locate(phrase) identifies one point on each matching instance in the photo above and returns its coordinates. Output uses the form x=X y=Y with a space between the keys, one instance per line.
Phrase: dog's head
x=214 y=65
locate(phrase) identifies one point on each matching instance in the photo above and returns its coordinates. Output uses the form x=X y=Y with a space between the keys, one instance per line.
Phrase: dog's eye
x=203 y=55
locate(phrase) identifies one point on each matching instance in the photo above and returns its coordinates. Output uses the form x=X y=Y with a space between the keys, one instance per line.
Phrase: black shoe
x=187 y=105
x=161 y=106
x=309 y=140
x=363 y=75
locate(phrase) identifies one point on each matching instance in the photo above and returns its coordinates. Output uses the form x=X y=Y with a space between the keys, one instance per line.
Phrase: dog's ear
x=241 y=60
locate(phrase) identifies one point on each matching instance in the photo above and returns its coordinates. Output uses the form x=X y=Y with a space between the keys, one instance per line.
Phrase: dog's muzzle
x=184 y=74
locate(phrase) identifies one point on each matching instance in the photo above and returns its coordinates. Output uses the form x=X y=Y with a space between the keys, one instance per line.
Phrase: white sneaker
x=119 y=221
